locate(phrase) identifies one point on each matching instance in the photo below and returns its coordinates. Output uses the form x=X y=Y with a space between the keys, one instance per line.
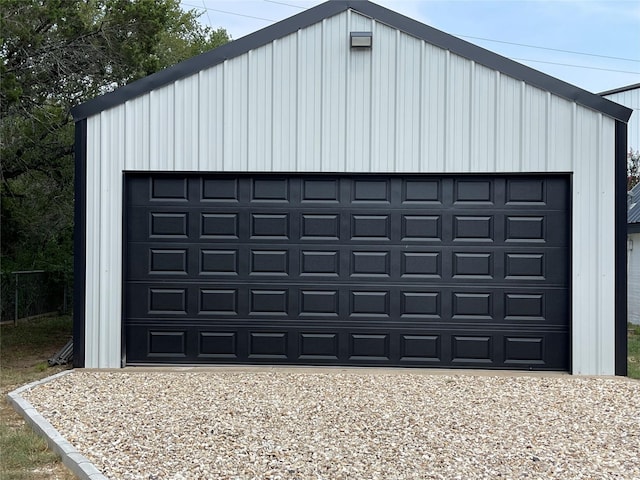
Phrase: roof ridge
x=381 y=14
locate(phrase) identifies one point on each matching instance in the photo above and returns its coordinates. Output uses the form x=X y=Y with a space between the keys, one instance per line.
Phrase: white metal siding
x=631 y=99
x=633 y=289
x=307 y=103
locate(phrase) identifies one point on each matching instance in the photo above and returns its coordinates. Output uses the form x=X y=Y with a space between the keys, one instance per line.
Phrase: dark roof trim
x=80 y=244
x=209 y=59
x=381 y=14
x=633 y=228
x=620 y=90
x=620 y=250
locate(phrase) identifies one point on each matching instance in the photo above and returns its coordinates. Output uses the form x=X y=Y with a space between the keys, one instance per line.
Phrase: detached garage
x=351 y=187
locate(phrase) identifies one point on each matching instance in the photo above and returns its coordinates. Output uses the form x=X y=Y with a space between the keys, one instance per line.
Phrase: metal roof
x=633 y=213
x=621 y=89
x=369 y=9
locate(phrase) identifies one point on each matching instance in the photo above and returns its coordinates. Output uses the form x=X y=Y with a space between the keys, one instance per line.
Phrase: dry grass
x=634 y=351
x=24 y=350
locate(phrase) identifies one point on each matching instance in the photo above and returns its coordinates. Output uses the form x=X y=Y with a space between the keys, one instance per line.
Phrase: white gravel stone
x=346 y=424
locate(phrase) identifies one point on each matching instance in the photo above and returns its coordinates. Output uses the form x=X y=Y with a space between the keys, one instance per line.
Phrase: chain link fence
x=32 y=293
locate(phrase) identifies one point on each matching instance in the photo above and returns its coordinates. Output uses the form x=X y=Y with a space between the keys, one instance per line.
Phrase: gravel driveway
x=346 y=424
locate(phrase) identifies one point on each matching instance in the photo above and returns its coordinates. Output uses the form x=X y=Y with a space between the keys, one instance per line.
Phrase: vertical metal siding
x=458 y=153
x=509 y=125
x=259 y=117
x=593 y=240
x=186 y=107
x=162 y=120
x=383 y=97
x=307 y=102
x=433 y=109
x=334 y=77
x=561 y=136
x=284 y=114
x=534 y=131
x=605 y=288
x=408 y=93
x=211 y=118
x=236 y=117
x=104 y=239
x=308 y=65
x=359 y=98
x=483 y=118
x=93 y=242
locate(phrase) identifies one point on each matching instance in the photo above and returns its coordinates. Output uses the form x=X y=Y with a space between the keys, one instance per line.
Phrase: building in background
x=629 y=96
x=633 y=255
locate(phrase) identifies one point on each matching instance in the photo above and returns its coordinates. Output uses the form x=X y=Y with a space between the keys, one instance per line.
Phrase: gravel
x=346 y=424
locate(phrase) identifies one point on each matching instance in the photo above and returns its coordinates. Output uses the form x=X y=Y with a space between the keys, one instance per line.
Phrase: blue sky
x=602 y=28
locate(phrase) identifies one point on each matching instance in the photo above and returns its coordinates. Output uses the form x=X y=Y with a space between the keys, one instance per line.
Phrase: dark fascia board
x=633 y=227
x=620 y=90
x=369 y=9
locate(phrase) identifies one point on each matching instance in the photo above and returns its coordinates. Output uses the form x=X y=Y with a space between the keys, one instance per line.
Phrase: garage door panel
x=473 y=349
x=464 y=227
x=214 y=345
x=298 y=304
x=420 y=305
x=270 y=190
x=224 y=262
x=421 y=228
x=489 y=349
x=312 y=263
x=532 y=191
x=219 y=190
x=371 y=190
x=320 y=190
x=320 y=226
x=338 y=269
x=318 y=346
x=420 y=348
x=421 y=192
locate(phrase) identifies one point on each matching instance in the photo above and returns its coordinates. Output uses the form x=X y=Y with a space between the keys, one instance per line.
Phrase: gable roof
x=366 y=8
x=633 y=214
x=620 y=89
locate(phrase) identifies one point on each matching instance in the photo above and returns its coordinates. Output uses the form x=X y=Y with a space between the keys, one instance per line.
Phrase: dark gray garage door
x=468 y=271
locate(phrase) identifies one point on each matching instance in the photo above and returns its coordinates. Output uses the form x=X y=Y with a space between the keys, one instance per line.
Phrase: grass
x=634 y=351
x=24 y=350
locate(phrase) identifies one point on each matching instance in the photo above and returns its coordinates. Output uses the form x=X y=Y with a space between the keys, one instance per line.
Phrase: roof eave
x=620 y=89
x=209 y=59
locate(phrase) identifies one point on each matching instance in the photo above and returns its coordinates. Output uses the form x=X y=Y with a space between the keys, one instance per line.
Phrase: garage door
x=468 y=271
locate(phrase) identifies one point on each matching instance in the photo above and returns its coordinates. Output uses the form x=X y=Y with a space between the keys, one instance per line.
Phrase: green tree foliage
x=56 y=54
x=633 y=168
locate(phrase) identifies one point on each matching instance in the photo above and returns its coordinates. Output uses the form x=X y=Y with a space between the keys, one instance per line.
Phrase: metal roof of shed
x=372 y=10
x=633 y=213
x=621 y=89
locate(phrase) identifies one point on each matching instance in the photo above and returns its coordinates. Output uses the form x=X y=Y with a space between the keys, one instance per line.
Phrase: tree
x=56 y=54
x=633 y=168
